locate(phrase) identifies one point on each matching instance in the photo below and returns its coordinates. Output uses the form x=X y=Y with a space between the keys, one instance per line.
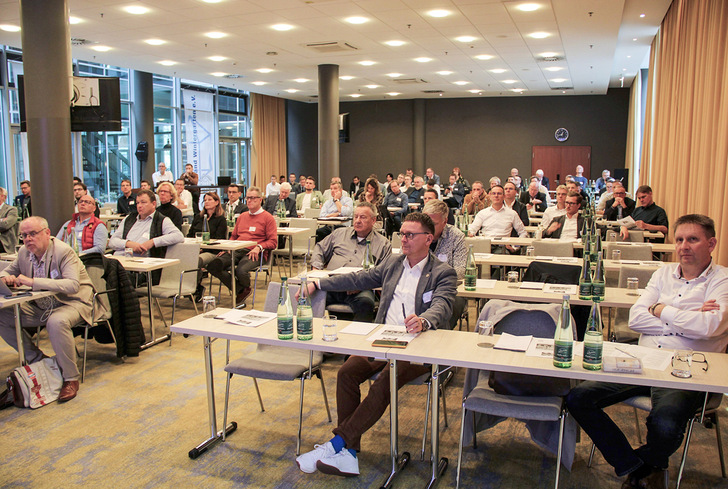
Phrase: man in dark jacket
x=533 y=199
x=567 y=226
x=620 y=206
x=284 y=196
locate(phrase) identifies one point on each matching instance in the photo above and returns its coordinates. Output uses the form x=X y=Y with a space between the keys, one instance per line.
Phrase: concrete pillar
x=418 y=137
x=328 y=124
x=143 y=90
x=46 y=42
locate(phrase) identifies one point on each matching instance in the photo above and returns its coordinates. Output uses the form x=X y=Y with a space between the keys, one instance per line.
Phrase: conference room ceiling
x=584 y=46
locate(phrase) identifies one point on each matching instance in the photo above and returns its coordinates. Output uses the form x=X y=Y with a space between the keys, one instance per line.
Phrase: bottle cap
x=566 y=297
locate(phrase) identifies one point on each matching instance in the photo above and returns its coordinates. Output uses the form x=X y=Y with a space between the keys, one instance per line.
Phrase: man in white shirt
x=557 y=210
x=184 y=197
x=496 y=221
x=273 y=188
x=334 y=181
x=567 y=227
x=162 y=175
x=683 y=306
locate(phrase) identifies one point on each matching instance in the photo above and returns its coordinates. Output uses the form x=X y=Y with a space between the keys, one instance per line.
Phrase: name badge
x=427 y=297
x=54 y=274
x=442 y=257
x=251 y=229
x=399 y=199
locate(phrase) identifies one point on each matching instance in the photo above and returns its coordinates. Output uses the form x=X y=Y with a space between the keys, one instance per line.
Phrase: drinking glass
x=198 y=237
x=329 y=328
x=129 y=252
x=530 y=251
x=616 y=255
x=513 y=280
x=681 y=363
x=208 y=306
x=485 y=331
x=632 y=286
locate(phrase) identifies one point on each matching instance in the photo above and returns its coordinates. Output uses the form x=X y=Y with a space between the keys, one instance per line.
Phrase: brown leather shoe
x=656 y=480
x=242 y=295
x=69 y=389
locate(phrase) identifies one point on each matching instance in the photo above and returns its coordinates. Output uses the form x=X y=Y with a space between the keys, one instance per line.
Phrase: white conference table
x=15 y=303
x=523 y=261
x=289 y=232
x=518 y=241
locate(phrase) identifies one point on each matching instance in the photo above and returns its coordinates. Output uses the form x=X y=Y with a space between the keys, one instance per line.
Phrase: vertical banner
x=199 y=127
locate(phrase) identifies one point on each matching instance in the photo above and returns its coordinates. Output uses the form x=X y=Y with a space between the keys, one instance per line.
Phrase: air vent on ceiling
x=551 y=59
x=78 y=41
x=562 y=88
x=433 y=91
x=233 y=75
x=331 y=46
x=409 y=81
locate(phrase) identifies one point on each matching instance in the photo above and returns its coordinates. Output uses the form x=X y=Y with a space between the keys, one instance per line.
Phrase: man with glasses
x=683 y=306
x=84 y=230
x=534 y=199
x=80 y=189
x=8 y=218
x=619 y=206
x=496 y=221
x=607 y=194
x=167 y=197
x=648 y=216
x=567 y=227
x=346 y=247
x=559 y=209
x=254 y=225
x=235 y=204
x=22 y=201
x=47 y=263
x=418 y=291
x=162 y=175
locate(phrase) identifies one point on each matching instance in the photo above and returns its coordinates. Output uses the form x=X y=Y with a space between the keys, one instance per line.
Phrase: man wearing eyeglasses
x=418 y=291
x=497 y=221
x=47 y=263
x=567 y=227
x=84 y=230
x=683 y=306
x=619 y=206
x=79 y=190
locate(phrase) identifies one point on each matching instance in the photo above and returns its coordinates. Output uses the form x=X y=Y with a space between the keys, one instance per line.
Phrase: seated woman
x=373 y=194
x=216 y=224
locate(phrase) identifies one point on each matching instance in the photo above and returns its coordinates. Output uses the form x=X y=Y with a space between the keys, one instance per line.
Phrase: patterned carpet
x=133 y=424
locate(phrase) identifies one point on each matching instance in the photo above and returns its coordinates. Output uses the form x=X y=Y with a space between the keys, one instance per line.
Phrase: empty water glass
x=632 y=285
x=530 y=251
x=611 y=236
x=129 y=252
x=681 y=362
x=198 y=237
x=616 y=255
x=513 y=280
x=485 y=331
x=208 y=306
x=329 y=328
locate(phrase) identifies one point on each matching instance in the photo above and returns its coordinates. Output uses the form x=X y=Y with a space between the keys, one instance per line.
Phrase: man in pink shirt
x=253 y=225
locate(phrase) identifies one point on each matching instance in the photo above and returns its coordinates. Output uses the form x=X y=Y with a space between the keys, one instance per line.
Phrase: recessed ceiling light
x=528 y=7
x=263 y=70
x=553 y=68
x=101 y=49
x=465 y=39
x=393 y=94
x=558 y=80
x=634 y=38
x=291 y=90
x=624 y=69
x=642 y=16
x=438 y=13
x=394 y=43
x=518 y=90
x=258 y=83
x=423 y=60
x=509 y=81
x=539 y=35
x=484 y=57
x=355 y=95
x=74 y=20
x=367 y=63
x=155 y=42
x=217 y=58
x=282 y=27
x=212 y=1
x=168 y=62
x=548 y=55
x=372 y=86
x=356 y=20
x=498 y=70
x=301 y=80
x=346 y=77
x=461 y=82
x=219 y=73
x=10 y=28
x=629 y=56
x=394 y=75
x=215 y=35
x=136 y=9
x=475 y=90
x=444 y=73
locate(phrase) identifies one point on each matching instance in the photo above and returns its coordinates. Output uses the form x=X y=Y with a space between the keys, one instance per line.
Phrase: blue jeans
x=671 y=410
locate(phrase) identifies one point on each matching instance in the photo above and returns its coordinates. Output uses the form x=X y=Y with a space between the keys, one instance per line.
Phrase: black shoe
x=199 y=293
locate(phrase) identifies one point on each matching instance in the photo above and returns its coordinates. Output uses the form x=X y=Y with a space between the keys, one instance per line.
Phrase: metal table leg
x=439 y=465
x=19 y=335
x=398 y=463
x=290 y=254
x=215 y=436
x=232 y=272
x=154 y=340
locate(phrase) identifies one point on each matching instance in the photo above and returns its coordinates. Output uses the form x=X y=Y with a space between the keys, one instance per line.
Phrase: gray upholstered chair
x=100 y=296
x=628 y=251
x=279 y=363
x=619 y=330
x=552 y=248
x=302 y=242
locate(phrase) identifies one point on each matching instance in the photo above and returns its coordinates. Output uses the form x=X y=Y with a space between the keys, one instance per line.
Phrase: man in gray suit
x=8 y=218
x=47 y=263
x=418 y=291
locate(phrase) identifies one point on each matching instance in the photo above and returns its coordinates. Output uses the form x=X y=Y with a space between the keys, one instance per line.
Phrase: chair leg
x=85 y=345
x=637 y=426
x=323 y=391
x=475 y=434
x=562 y=423
x=194 y=304
x=227 y=399
x=260 y=398
x=174 y=307
x=427 y=418
x=300 y=416
x=444 y=404
x=460 y=447
x=720 y=444
x=685 y=452
x=161 y=314
x=591 y=455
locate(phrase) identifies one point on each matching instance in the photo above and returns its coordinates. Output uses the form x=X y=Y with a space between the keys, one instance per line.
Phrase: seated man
x=47 y=263
x=683 y=306
x=567 y=227
x=79 y=190
x=184 y=197
x=127 y=201
x=147 y=232
x=144 y=185
x=601 y=183
x=253 y=225
x=8 y=218
x=453 y=193
x=533 y=199
x=395 y=199
x=415 y=193
x=86 y=231
x=339 y=205
x=190 y=179
x=431 y=195
x=235 y=205
x=607 y=194
x=619 y=206
x=418 y=291
x=559 y=209
x=285 y=199
x=476 y=200
x=334 y=181
x=496 y=221
x=310 y=198
x=167 y=196
x=648 y=216
x=346 y=247
x=22 y=201
x=574 y=186
x=510 y=201
x=431 y=175
x=162 y=175
x=273 y=187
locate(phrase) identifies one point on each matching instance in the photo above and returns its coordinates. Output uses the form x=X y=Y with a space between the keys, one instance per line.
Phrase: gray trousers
x=59 y=325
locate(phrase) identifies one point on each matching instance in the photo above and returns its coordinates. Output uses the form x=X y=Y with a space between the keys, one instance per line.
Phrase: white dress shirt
x=157 y=177
x=186 y=197
x=405 y=292
x=681 y=323
x=550 y=214
x=272 y=189
x=497 y=224
x=139 y=233
x=570 y=230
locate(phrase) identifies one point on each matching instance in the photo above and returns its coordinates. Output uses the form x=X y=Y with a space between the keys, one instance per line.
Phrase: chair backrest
x=629 y=252
x=642 y=274
x=96 y=274
x=396 y=240
x=311 y=213
x=480 y=245
x=300 y=240
x=635 y=236
x=318 y=299
x=188 y=255
x=553 y=248
x=553 y=273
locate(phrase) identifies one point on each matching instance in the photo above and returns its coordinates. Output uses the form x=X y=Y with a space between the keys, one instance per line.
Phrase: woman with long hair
x=216 y=224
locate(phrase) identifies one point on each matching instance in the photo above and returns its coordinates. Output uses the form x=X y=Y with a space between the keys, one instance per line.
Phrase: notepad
x=513 y=343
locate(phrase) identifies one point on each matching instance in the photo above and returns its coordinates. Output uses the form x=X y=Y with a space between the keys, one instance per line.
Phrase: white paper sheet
x=251 y=318
x=485 y=283
x=483 y=256
x=358 y=327
x=393 y=332
x=343 y=270
x=541 y=347
x=514 y=343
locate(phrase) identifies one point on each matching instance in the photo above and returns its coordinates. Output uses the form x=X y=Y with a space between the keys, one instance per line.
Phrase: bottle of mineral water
x=585 y=281
x=368 y=261
x=564 y=337
x=471 y=271
x=285 y=312
x=593 y=339
x=304 y=314
x=598 y=285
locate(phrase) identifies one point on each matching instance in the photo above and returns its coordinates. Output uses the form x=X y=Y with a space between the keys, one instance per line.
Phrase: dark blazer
x=557 y=234
x=520 y=209
x=272 y=200
x=545 y=182
x=174 y=214
x=217 y=226
x=457 y=193
x=438 y=281
x=526 y=199
x=353 y=189
x=610 y=213
x=126 y=205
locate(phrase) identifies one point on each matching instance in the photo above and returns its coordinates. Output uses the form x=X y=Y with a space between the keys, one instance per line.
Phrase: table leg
x=439 y=465
x=398 y=463
x=154 y=340
x=215 y=436
x=232 y=272
x=19 y=335
x=290 y=254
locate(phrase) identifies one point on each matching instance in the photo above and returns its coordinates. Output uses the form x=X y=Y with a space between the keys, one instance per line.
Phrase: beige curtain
x=685 y=150
x=633 y=127
x=268 y=148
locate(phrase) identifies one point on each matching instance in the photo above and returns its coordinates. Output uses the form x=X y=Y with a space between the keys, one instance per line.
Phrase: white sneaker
x=343 y=463
x=307 y=461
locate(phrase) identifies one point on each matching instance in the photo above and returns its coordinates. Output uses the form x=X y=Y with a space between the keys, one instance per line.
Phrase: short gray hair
x=436 y=207
x=285 y=186
x=370 y=206
x=36 y=219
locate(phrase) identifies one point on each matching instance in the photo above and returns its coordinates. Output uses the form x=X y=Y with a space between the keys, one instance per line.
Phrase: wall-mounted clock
x=561 y=134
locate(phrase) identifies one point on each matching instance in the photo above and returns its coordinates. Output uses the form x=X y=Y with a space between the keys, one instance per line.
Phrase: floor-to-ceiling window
x=234 y=135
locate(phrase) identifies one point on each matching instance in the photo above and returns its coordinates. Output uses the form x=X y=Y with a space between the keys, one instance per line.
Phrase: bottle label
x=470 y=279
x=285 y=326
x=592 y=354
x=585 y=290
x=304 y=327
x=598 y=290
x=563 y=351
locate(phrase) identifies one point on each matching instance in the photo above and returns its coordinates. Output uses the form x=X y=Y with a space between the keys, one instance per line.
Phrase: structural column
x=418 y=137
x=143 y=90
x=46 y=42
x=328 y=123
